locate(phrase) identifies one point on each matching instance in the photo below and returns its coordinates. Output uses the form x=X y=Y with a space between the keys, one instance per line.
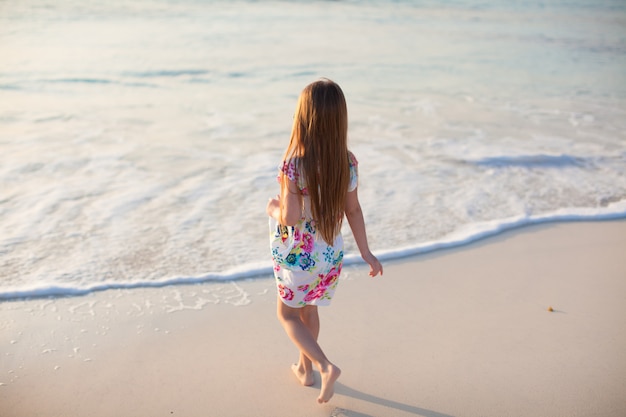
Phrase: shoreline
x=463 y=331
x=459 y=239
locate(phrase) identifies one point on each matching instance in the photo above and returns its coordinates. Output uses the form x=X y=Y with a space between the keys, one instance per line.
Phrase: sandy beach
x=464 y=332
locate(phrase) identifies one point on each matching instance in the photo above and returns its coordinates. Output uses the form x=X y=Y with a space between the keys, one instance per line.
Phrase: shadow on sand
x=359 y=395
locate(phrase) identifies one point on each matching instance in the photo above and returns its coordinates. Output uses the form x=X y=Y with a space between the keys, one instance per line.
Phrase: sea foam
x=464 y=236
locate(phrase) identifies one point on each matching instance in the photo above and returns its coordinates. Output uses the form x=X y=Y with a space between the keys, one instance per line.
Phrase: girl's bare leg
x=302 y=337
x=304 y=368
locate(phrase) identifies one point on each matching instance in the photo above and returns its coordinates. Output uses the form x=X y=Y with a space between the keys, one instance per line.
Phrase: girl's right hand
x=375 y=266
x=273 y=208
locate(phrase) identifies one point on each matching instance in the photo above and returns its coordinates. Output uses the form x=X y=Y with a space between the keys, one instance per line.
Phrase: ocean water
x=139 y=140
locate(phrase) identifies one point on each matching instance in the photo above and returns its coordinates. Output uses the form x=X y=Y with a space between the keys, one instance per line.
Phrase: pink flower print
x=297 y=235
x=317 y=292
x=276 y=267
x=303 y=287
x=289 y=169
x=330 y=278
x=285 y=292
x=307 y=242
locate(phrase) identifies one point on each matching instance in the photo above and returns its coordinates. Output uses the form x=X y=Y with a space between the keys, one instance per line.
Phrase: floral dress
x=306 y=268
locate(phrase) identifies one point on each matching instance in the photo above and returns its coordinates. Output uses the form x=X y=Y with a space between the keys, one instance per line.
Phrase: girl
x=318 y=185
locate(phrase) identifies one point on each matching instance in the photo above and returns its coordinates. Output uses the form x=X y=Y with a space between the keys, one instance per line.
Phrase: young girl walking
x=318 y=185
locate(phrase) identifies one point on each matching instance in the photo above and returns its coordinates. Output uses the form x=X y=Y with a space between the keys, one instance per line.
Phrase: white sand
x=457 y=333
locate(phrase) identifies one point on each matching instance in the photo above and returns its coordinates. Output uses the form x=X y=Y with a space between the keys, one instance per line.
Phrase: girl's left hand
x=375 y=266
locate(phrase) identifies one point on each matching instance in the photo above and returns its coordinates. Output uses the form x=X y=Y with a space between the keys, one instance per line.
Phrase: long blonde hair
x=319 y=144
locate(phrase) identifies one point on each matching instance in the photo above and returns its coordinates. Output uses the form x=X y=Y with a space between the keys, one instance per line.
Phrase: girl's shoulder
x=353 y=172
x=292 y=169
x=289 y=168
x=352 y=159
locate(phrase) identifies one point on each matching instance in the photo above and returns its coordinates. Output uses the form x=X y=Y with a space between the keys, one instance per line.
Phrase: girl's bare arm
x=292 y=206
x=354 y=214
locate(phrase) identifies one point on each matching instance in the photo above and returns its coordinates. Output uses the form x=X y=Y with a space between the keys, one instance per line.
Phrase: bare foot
x=305 y=378
x=328 y=383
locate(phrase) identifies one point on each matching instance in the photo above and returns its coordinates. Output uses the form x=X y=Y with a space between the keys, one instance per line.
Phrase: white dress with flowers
x=306 y=268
